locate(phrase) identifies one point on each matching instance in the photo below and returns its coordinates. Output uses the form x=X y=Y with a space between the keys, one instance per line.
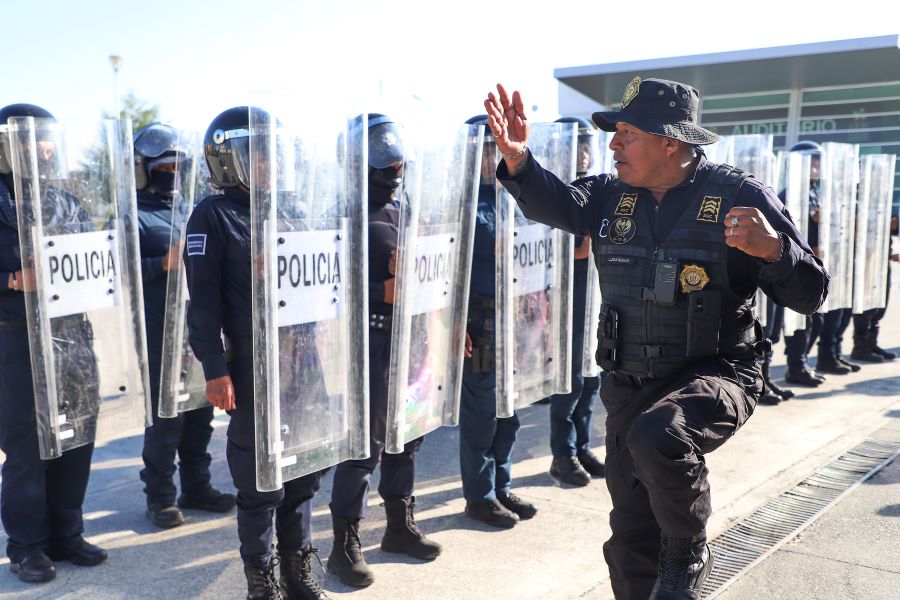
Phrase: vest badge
x=693 y=278
x=622 y=230
x=709 y=209
x=625 y=207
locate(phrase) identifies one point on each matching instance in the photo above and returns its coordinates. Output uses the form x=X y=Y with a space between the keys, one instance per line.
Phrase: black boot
x=862 y=348
x=513 y=503
x=873 y=344
x=346 y=559
x=210 y=500
x=402 y=534
x=832 y=366
x=297 y=581
x=78 y=552
x=493 y=513
x=593 y=465
x=803 y=377
x=850 y=365
x=568 y=469
x=770 y=396
x=683 y=566
x=261 y=584
x=34 y=568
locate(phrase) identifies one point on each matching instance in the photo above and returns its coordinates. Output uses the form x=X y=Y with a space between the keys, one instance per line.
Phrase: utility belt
x=703 y=339
x=380 y=322
x=238 y=347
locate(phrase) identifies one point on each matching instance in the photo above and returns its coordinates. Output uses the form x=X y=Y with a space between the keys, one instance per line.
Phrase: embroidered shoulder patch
x=625 y=207
x=709 y=209
x=196 y=244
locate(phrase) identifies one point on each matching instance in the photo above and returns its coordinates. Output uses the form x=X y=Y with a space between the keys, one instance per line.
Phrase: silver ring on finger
x=735 y=222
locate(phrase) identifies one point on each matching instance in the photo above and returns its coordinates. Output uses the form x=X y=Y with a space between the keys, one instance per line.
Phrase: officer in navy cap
x=571 y=414
x=349 y=494
x=40 y=500
x=681 y=245
x=217 y=262
x=485 y=440
x=157 y=153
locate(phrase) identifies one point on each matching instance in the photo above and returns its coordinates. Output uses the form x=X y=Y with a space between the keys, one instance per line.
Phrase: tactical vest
x=648 y=332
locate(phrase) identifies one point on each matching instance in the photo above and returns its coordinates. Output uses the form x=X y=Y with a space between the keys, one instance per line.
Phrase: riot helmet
x=385 y=152
x=488 y=152
x=588 y=151
x=50 y=143
x=226 y=146
x=814 y=150
x=158 y=150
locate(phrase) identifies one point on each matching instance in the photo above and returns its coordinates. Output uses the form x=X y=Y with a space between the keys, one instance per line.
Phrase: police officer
x=867 y=324
x=800 y=342
x=352 y=478
x=686 y=245
x=157 y=154
x=486 y=441
x=571 y=414
x=217 y=261
x=40 y=500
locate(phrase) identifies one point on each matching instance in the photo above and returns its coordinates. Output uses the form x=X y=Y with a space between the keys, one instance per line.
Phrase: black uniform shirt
x=797 y=281
x=154 y=233
x=384 y=221
x=484 y=248
x=12 y=303
x=217 y=264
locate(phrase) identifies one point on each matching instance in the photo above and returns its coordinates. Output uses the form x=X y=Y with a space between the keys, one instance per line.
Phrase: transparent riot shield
x=796 y=199
x=78 y=238
x=182 y=383
x=310 y=331
x=534 y=287
x=837 y=220
x=434 y=260
x=601 y=163
x=873 y=224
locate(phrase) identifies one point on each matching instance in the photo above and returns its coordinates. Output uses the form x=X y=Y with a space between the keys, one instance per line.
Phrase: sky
x=195 y=58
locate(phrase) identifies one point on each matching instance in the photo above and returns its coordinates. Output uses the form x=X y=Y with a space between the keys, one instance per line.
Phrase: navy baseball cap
x=660 y=107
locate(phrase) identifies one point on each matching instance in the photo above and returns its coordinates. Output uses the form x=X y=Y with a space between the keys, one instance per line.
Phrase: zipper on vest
x=650 y=308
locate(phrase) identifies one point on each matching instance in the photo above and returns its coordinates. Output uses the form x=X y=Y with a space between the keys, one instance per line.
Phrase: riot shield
x=873 y=225
x=434 y=259
x=534 y=287
x=602 y=163
x=182 y=383
x=309 y=279
x=837 y=220
x=796 y=199
x=78 y=238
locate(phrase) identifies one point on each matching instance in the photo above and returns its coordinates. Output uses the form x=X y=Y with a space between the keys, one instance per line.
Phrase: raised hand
x=509 y=124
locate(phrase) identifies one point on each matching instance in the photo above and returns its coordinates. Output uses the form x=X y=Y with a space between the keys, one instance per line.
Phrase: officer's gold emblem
x=625 y=207
x=631 y=90
x=623 y=230
x=693 y=278
x=709 y=209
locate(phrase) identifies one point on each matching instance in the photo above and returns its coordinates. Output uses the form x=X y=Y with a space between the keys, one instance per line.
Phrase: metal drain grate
x=753 y=539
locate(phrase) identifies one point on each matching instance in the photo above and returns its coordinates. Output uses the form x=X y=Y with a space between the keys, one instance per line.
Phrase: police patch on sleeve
x=196 y=244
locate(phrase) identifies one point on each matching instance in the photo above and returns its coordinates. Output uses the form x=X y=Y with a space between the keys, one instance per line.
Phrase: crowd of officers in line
x=42 y=500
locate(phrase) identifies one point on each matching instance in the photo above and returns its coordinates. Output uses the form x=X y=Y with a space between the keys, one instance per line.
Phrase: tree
x=141 y=112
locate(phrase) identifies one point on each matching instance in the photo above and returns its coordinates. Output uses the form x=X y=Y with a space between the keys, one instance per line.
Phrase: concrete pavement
x=556 y=555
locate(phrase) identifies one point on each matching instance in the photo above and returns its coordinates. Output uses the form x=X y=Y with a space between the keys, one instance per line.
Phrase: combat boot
x=261 y=584
x=832 y=366
x=402 y=535
x=772 y=394
x=593 y=465
x=516 y=505
x=209 y=499
x=873 y=344
x=683 y=567
x=803 y=377
x=568 y=469
x=850 y=365
x=297 y=581
x=346 y=559
x=862 y=348
x=33 y=568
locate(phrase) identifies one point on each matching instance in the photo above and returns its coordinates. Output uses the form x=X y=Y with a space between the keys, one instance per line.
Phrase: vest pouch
x=704 y=312
x=607 y=337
